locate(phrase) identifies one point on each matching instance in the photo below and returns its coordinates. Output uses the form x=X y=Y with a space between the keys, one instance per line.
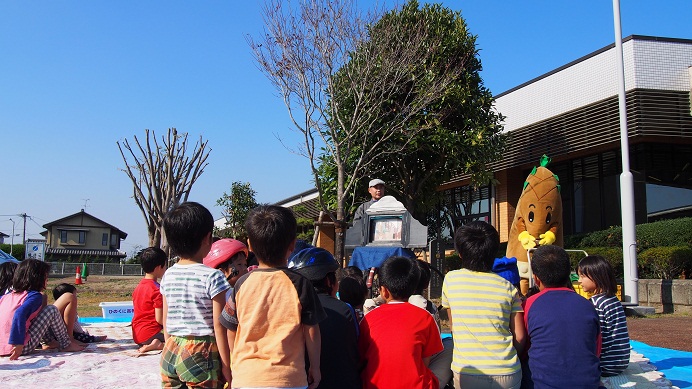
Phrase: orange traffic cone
x=78 y=277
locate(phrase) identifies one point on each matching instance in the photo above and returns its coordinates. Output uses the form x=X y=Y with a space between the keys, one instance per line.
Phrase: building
x=571 y=114
x=83 y=237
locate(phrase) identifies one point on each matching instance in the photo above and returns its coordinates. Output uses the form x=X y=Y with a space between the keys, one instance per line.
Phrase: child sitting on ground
x=25 y=319
x=196 y=349
x=597 y=276
x=147 y=322
x=397 y=329
x=563 y=327
x=273 y=313
x=65 y=296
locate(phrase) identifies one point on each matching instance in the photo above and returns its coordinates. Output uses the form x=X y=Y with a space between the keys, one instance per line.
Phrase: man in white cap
x=376 y=190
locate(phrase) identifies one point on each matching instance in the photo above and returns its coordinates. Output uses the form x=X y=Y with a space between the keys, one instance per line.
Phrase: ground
x=669 y=331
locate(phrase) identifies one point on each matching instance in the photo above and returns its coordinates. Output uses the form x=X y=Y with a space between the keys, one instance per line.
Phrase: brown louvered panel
x=651 y=114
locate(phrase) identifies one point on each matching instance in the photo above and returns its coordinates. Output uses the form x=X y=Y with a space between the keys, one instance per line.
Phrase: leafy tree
x=162 y=174
x=384 y=89
x=456 y=133
x=235 y=207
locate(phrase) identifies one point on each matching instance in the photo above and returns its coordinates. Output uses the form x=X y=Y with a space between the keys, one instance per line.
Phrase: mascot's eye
x=547 y=219
x=531 y=216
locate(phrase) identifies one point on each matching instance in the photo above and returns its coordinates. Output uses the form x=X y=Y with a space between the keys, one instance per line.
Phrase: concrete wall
x=666 y=296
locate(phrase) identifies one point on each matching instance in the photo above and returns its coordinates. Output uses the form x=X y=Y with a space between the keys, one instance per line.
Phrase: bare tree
x=314 y=52
x=162 y=173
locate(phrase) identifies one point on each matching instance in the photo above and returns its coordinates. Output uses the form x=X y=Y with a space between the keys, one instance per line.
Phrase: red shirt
x=394 y=339
x=145 y=298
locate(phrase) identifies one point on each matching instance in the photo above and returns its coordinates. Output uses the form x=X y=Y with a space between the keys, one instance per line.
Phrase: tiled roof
x=102 y=253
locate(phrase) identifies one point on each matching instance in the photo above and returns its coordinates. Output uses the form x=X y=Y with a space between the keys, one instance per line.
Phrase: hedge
x=665 y=262
x=17 y=250
x=675 y=232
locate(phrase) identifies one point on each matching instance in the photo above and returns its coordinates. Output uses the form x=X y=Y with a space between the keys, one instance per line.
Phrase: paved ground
x=669 y=331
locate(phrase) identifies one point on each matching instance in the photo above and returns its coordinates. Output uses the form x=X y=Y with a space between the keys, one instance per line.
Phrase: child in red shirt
x=397 y=329
x=147 y=301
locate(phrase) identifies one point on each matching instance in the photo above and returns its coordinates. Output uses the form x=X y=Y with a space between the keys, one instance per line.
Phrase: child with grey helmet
x=339 y=357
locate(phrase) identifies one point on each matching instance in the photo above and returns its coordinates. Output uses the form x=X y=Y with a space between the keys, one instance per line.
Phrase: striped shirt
x=615 y=349
x=481 y=304
x=189 y=290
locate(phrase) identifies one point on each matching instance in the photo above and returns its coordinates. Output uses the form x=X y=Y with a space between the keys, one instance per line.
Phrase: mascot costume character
x=537 y=220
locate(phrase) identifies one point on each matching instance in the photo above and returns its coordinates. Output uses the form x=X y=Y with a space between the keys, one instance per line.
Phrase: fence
x=97 y=269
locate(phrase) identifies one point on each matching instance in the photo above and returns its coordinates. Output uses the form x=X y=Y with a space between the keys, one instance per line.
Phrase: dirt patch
x=669 y=331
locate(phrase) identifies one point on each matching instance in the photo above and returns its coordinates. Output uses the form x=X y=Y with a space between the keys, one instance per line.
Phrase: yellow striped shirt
x=481 y=304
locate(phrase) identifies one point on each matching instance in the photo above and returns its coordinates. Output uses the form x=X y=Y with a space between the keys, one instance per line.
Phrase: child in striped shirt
x=485 y=314
x=597 y=276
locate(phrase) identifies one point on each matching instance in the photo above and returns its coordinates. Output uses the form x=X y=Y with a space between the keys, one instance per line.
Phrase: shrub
x=665 y=262
x=612 y=254
x=674 y=232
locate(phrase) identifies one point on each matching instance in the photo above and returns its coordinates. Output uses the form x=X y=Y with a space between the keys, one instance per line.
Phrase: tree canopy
x=455 y=133
x=351 y=86
x=234 y=208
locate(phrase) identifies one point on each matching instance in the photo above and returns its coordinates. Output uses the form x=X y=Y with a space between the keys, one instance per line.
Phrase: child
x=148 y=303
x=193 y=298
x=273 y=313
x=25 y=319
x=485 y=313
x=65 y=296
x=562 y=326
x=352 y=291
x=339 y=359
x=6 y=274
x=397 y=339
x=597 y=276
x=229 y=256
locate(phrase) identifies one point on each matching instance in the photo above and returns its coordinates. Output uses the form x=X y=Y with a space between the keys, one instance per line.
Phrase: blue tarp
x=676 y=365
x=4 y=257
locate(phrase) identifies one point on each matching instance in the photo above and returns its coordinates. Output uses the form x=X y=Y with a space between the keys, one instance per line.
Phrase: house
x=83 y=237
x=571 y=114
x=2 y=237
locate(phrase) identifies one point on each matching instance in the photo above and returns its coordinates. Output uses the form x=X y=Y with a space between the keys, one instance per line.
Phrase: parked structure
x=82 y=237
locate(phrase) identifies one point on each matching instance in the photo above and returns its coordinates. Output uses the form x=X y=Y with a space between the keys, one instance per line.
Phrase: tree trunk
x=339 y=225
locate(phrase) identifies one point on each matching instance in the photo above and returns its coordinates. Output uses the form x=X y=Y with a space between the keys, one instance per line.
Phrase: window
x=104 y=239
x=63 y=236
x=82 y=237
x=114 y=240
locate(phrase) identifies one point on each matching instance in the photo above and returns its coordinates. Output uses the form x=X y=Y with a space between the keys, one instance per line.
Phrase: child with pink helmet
x=229 y=256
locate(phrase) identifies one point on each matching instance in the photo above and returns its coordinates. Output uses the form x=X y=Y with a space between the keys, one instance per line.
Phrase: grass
x=96 y=290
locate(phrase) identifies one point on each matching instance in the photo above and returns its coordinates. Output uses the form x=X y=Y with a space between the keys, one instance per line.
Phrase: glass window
x=82 y=237
x=63 y=236
x=104 y=239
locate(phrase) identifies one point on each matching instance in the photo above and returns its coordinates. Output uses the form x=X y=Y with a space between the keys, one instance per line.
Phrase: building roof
x=3 y=235
x=308 y=199
x=122 y=233
x=101 y=253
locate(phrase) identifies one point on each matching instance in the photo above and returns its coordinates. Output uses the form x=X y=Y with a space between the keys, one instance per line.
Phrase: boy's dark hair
x=400 y=276
x=352 y=290
x=425 y=274
x=600 y=272
x=323 y=286
x=477 y=244
x=271 y=229
x=31 y=274
x=186 y=226
x=551 y=265
x=63 y=288
x=348 y=271
x=6 y=275
x=151 y=258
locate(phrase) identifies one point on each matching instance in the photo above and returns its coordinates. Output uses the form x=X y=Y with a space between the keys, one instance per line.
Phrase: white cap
x=374 y=182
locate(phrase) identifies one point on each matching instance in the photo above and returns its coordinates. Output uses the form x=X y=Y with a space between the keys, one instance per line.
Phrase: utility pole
x=24 y=216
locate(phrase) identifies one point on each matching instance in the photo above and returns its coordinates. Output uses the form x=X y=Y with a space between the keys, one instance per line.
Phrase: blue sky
x=77 y=76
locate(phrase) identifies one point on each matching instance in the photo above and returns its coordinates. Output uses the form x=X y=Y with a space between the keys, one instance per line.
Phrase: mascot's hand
x=527 y=241
x=547 y=238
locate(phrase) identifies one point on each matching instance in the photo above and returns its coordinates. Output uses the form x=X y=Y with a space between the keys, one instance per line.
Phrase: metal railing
x=96 y=269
